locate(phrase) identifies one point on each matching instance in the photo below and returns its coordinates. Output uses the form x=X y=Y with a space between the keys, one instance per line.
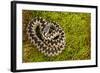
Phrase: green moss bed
x=77 y=33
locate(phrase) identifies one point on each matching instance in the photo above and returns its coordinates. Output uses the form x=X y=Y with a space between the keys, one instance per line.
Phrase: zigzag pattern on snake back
x=47 y=36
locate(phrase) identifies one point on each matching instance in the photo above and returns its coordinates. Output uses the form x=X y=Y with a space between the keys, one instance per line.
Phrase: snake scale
x=47 y=36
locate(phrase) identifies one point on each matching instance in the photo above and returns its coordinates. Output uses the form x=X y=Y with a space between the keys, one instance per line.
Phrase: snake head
x=46 y=29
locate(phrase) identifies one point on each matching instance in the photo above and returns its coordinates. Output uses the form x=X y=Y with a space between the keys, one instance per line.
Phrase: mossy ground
x=77 y=33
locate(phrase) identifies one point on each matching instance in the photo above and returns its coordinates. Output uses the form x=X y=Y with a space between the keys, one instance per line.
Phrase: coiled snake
x=48 y=37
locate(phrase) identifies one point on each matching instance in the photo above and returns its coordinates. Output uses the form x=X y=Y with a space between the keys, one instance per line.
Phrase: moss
x=77 y=33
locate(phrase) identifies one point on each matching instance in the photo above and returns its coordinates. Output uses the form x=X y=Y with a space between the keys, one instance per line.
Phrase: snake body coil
x=47 y=36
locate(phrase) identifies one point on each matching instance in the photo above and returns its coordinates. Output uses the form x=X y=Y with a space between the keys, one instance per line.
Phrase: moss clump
x=77 y=32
